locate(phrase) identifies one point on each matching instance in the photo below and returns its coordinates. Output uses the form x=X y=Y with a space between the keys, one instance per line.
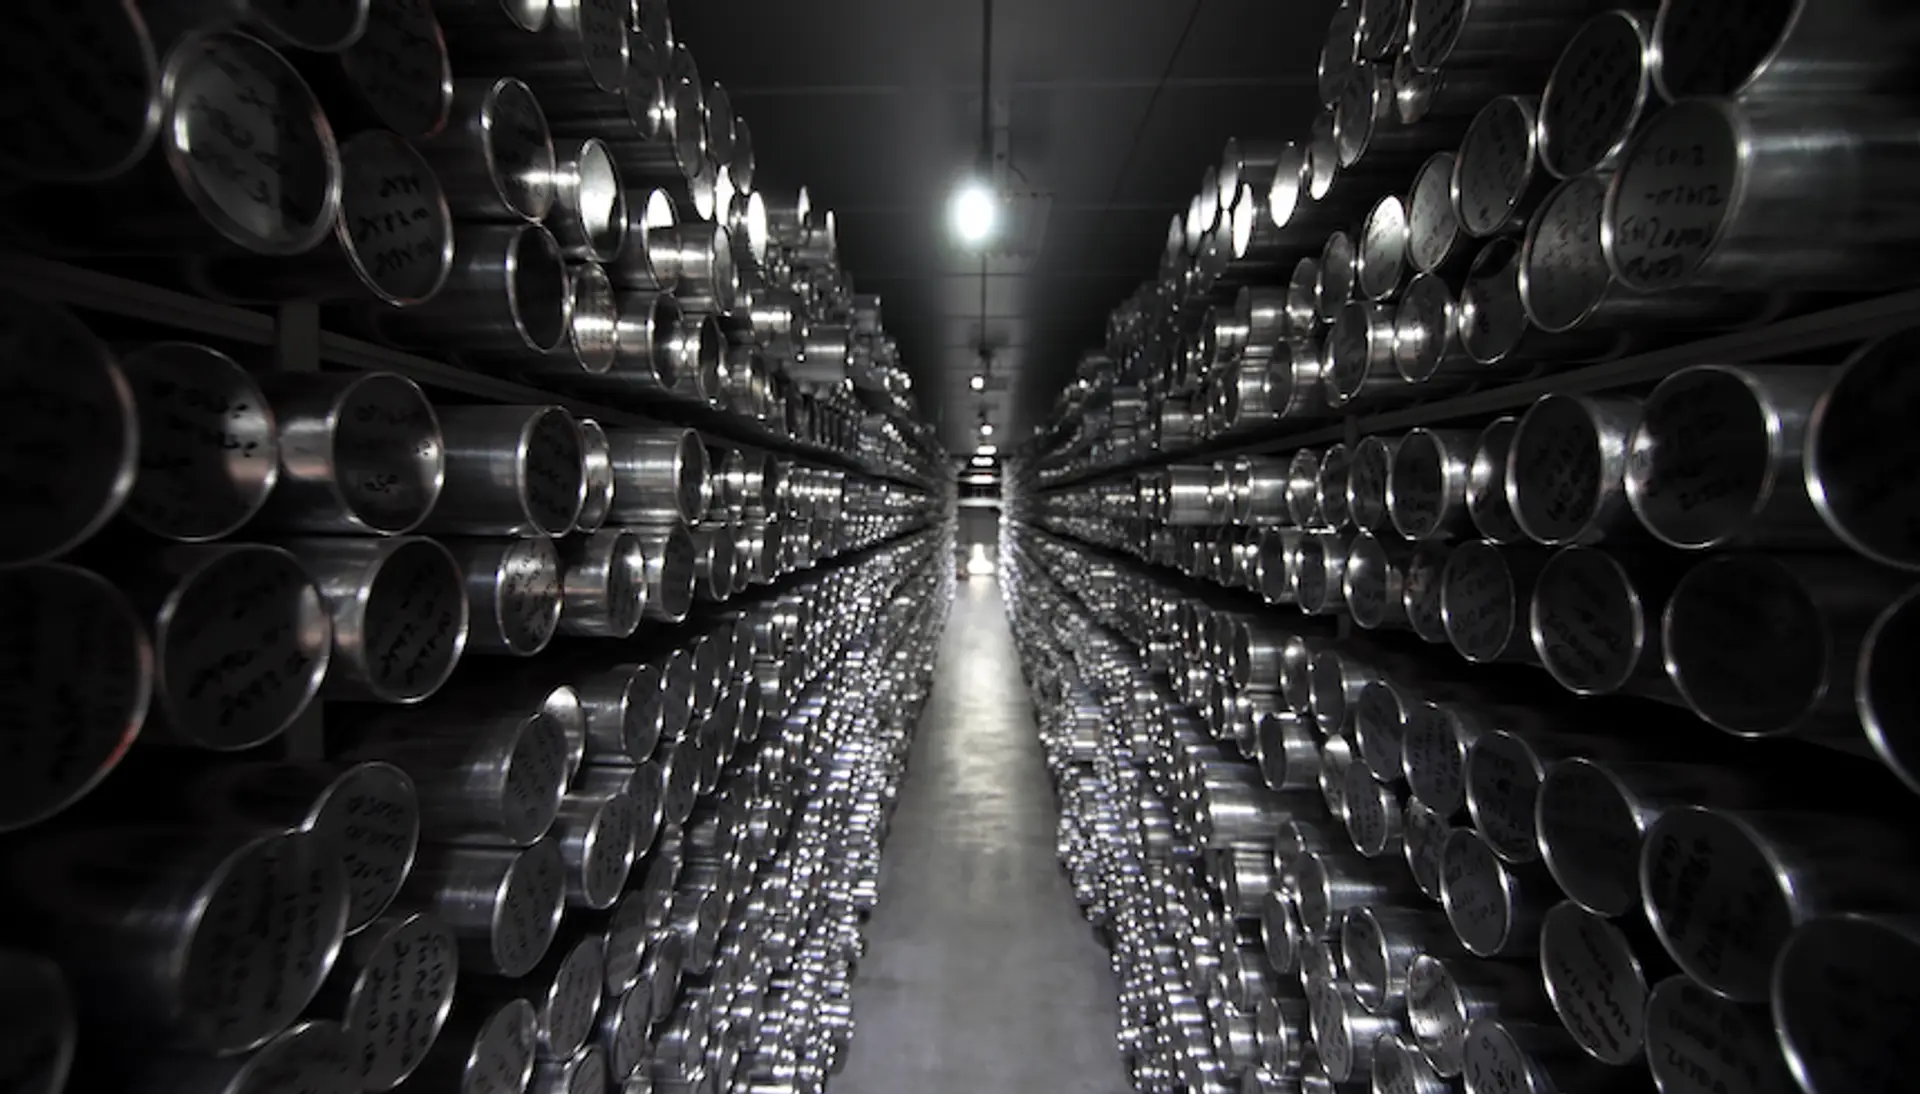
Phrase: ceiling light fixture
x=988 y=450
x=983 y=461
x=978 y=383
x=974 y=213
x=986 y=429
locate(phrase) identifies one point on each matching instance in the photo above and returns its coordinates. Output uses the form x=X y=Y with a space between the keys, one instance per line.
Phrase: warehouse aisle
x=980 y=973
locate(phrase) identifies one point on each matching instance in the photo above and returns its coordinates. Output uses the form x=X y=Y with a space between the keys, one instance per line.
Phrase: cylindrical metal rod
x=1840 y=1002
x=1566 y=284
x=1358 y=364
x=392 y=989
x=1599 y=88
x=508 y=296
x=1367 y=476
x=1331 y=487
x=209 y=449
x=1502 y=1055
x=144 y=918
x=1765 y=645
x=1434 y=738
x=1423 y=590
x=1566 y=468
x=1497 y=177
x=1383 y=248
x=513 y=593
x=1858 y=449
x=241 y=641
x=1344 y=1034
x=659 y=476
x=1423 y=843
x=589 y=215
x=1435 y=241
x=1495 y=908
x=1596 y=983
x=1716 y=458
x=399 y=610
x=603 y=584
x=1374 y=580
x=92 y=77
x=398 y=72
x=78 y=655
x=392 y=239
x=1427 y=483
x=1447 y=994
x=1328 y=885
x=1885 y=691
x=1378 y=946
x=1321 y=589
x=1761 y=874
x=670 y=571
x=309 y=1055
x=1495 y=329
x=1485 y=600
x=1371 y=813
x=1697 y=1040
x=1337 y=276
x=1592 y=621
x=596 y=466
x=1427 y=350
x=1340 y=51
x=359 y=453
x=73 y=432
x=1468 y=34
x=1487 y=483
x=484 y=1049
x=502 y=904
x=495 y=160
x=1787 y=50
x=37 y=1003
x=484 y=776
x=1772 y=195
x=511 y=471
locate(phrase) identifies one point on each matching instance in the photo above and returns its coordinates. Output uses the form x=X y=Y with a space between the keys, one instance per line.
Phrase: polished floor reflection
x=980 y=973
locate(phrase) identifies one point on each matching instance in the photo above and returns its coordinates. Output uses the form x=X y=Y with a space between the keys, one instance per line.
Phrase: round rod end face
x=1703 y=461
x=1696 y=51
x=241 y=647
x=1477 y=893
x=1590 y=833
x=273 y=917
x=1595 y=94
x=1588 y=623
x=1497 y=162
x=553 y=470
x=209 y=444
x=80 y=663
x=519 y=149
x=1563 y=266
x=371 y=817
x=1487 y=501
x=1480 y=602
x=1433 y=224
x=503 y=1052
x=1861 y=449
x=1887 y=691
x=413 y=621
x=1595 y=984
x=72 y=429
x=388 y=458
x=1557 y=470
x=402 y=995
x=527 y=910
x=1422 y=590
x=1666 y=207
x=1746 y=645
x=1437 y=1016
x=1434 y=759
x=1495 y=1063
x=313 y=1056
x=1843 y=1003
x=1699 y=1043
x=592 y=341
x=1372 y=585
x=1417 y=485
x=539 y=290
x=93 y=71
x=401 y=69
x=1721 y=904
x=233 y=98
x=394 y=224
x=1503 y=786
x=1491 y=315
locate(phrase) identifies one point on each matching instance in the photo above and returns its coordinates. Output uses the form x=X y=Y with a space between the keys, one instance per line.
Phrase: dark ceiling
x=1114 y=108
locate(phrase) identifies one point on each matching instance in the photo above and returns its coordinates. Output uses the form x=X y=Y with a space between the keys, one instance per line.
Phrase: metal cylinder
x=1596 y=983
x=1858 y=449
x=209 y=450
x=1697 y=1041
x=1302 y=308
x=1494 y=908
x=1446 y=995
x=565 y=990
x=1565 y=283
x=1378 y=947
x=589 y=214
x=1825 y=971
x=1486 y=594
x=1433 y=754
x=1331 y=487
x=659 y=476
x=392 y=989
x=1566 y=468
x=1379 y=717
x=592 y=339
x=483 y=776
x=513 y=594
x=399 y=72
x=1724 y=888
x=495 y=158
x=483 y=1049
x=143 y=919
x=1787 y=49
x=1764 y=645
x=1339 y=52
x=1423 y=842
x=1505 y=1055
x=511 y=471
x=1487 y=483
x=1367 y=477
x=1427 y=483
x=1494 y=326
x=1321 y=588
x=671 y=567
x=596 y=834
x=43 y=1028
x=1371 y=813
x=1599 y=88
x=399 y=612
x=1434 y=239
x=67 y=59
x=78 y=656
x=583 y=1073
x=1327 y=886
x=1497 y=177
x=1884 y=689
x=1427 y=349
x=1592 y=621
x=1712 y=192
x=1468 y=34
x=1503 y=772
x=1423 y=590
x=368 y=814
x=508 y=297
x=1383 y=248
x=503 y=905
x=596 y=468
x=603 y=584
x=1338 y=274
x=1344 y=1034
x=73 y=429
x=1358 y=363
x=312 y=1056
x=359 y=453
x=391 y=240
x=241 y=642
x=1375 y=582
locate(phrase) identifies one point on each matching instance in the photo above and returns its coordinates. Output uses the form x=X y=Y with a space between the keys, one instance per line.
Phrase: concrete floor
x=980 y=974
